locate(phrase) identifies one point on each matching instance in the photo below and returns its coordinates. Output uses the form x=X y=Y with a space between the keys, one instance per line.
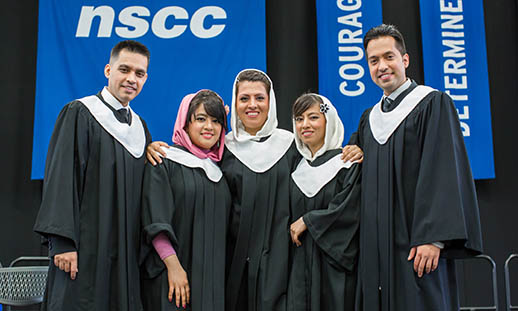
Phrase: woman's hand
x=296 y=229
x=352 y=153
x=154 y=150
x=178 y=282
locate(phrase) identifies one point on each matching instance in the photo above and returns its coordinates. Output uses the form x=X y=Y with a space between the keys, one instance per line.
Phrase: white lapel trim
x=311 y=179
x=190 y=160
x=384 y=124
x=131 y=137
x=260 y=156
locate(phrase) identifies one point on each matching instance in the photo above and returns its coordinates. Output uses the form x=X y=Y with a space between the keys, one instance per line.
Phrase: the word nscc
x=136 y=25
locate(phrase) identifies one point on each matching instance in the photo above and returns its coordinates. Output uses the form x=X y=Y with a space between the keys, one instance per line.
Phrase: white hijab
x=334 y=131
x=311 y=179
x=238 y=130
x=257 y=156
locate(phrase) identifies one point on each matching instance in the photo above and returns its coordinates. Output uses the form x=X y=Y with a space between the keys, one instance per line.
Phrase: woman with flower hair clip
x=325 y=211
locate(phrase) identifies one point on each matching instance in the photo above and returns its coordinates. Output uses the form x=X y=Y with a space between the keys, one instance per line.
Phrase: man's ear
x=406 y=60
x=107 y=71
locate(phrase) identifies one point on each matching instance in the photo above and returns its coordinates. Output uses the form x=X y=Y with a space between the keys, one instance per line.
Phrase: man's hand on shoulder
x=426 y=258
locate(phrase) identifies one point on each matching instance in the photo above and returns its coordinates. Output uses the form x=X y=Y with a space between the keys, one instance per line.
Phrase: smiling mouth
x=129 y=88
x=252 y=113
x=385 y=76
x=307 y=133
x=207 y=135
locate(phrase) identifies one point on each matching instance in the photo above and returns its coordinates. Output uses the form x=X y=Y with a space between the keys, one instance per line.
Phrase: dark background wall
x=292 y=65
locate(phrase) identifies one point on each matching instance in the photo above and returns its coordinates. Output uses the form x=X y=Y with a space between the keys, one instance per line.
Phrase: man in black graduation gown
x=419 y=206
x=90 y=210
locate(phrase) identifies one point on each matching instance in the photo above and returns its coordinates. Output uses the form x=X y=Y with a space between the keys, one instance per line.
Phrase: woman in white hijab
x=257 y=166
x=325 y=211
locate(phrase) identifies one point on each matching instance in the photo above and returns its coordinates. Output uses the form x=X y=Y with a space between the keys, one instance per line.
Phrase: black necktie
x=124 y=116
x=387 y=104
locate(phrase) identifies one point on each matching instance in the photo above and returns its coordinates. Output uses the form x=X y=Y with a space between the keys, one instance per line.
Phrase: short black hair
x=385 y=30
x=213 y=105
x=252 y=75
x=304 y=102
x=130 y=46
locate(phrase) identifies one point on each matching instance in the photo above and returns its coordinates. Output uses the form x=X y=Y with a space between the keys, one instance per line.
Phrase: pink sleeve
x=163 y=246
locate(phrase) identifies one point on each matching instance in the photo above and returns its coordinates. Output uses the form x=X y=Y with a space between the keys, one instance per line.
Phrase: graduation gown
x=91 y=198
x=323 y=272
x=258 y=240
x=192 y=211
x=417 y=188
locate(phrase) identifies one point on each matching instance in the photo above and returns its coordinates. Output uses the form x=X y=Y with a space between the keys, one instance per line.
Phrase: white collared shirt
x=111 y=100
x=399 y=90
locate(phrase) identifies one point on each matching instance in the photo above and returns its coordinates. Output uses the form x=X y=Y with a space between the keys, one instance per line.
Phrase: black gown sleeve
x=335 y=229
x=157 y=212
x=445 y=207
x=60 y=245
x=158 y=203
x=64 y=171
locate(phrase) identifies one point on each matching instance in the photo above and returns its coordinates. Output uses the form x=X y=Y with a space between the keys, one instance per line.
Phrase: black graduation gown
x=91 y=198
x=323 y=272
x=417 y=188
x=259 y=239
x=193 y=212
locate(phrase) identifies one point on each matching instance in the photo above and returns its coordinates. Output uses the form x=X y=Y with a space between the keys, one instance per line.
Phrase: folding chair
x=508 y=283
x=24 y=285
x=495 y=288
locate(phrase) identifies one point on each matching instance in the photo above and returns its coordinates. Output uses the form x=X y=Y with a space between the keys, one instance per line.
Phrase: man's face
x=126 y=75
x=386 y=64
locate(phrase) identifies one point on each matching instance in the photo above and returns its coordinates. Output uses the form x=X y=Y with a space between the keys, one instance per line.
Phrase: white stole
x=188 y=159
x=260 y=156
x=131 y=137
x=311 y=179
x=384 y=124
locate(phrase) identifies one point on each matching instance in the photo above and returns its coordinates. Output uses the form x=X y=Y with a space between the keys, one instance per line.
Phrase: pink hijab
x=180 y=136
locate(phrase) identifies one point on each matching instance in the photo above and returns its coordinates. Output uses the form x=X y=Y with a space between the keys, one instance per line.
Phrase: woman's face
x=203 y=130
x=311 y=127
x=252 y=105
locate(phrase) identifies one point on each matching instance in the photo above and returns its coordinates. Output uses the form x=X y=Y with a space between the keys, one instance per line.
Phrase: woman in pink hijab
x=185 y=208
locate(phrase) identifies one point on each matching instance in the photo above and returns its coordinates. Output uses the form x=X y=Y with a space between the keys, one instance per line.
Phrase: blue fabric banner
x=194 y=45
x=342 y=69
x=455 y=61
